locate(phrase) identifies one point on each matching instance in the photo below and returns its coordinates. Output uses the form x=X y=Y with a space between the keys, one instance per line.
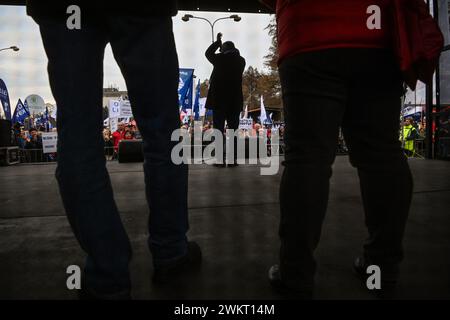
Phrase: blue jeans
x=145 y=52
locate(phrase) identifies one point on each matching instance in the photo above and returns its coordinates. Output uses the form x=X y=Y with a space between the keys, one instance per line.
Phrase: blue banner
x=185 y=88
x=20 y=113
x=4 y=99
x=197 y=102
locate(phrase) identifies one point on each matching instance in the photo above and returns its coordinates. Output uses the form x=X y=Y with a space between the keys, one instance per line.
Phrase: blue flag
x=4 y=100
x=185 y=88
x=47 y=123
x=197 y=102
x=20 y=113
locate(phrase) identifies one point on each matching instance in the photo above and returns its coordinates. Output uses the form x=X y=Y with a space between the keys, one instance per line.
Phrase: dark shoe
x=88 y=294
x=232 y=165
x=189 y=263
x=286 y=291
x=389 y=275
x=219 y=165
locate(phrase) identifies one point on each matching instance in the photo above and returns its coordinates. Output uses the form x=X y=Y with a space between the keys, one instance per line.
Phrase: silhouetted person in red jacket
x=337 y=69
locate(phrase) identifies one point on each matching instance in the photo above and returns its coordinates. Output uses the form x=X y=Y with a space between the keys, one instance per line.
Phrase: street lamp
x=187 y=17
x=14 y=48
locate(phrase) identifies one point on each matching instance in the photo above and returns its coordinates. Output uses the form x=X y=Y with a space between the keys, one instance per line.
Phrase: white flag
x=202 y=109
x=263 y=116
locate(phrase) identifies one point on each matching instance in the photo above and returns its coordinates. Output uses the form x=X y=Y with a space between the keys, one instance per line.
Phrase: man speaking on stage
x=225 y=91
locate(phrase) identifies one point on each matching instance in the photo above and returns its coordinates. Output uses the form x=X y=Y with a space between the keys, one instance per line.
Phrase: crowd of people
x=125 y=131
x=411 y=134
x=30 y=143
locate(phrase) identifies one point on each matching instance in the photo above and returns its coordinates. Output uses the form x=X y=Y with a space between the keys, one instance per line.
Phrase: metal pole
x=429 y=122
x=438 y=85
x=429 y=109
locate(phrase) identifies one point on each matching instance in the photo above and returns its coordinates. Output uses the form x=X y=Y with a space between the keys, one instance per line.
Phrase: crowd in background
x=411 y=134
x=125 y=131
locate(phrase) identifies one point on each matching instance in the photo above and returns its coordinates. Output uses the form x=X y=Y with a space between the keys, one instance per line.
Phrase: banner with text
x=4 y=100
x=49 y=141
x=185 y=92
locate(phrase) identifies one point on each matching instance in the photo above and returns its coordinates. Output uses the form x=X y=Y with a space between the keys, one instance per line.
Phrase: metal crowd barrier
x=419 y=145
x=35 y=156
x=443 y=148
x=38 y=156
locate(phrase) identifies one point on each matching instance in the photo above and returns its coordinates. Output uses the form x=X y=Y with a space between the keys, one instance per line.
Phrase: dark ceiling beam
x=248 y=6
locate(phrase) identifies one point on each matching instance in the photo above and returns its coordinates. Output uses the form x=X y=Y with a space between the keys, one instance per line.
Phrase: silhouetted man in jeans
x=143 y=45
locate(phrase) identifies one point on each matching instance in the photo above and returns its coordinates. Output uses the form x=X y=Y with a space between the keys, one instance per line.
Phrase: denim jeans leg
x=145 y=51
x=75 y=68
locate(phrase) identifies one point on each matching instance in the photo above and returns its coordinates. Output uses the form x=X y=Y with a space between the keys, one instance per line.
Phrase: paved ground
x=234 y=217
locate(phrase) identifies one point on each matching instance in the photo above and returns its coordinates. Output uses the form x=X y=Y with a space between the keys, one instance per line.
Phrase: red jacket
x=117 y=136
x=419 y=41
x=310 y=25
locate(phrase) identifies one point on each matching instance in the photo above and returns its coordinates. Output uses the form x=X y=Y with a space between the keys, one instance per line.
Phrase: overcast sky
x=24 y=72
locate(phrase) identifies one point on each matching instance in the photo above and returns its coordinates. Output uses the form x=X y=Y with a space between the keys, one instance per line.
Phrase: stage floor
x=234 y=217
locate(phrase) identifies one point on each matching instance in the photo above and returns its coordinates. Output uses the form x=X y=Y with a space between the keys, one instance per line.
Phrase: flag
x=263 y=116
x=184 y=117
x=53 y=114
x=197 y=102
x=4 y=100
x=202 y=109
x=20 y=113
x=46 y=123
x=185 y=88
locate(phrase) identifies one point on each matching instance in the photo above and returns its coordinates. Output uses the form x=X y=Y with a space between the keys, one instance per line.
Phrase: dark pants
x=145 y=51
x=232 y=118
x=359 y=90
x=222 y=115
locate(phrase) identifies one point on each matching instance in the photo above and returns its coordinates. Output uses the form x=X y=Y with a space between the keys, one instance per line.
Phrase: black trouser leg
x=233 y=123
x=317 y=101
x=362 y=87
x=385 y=177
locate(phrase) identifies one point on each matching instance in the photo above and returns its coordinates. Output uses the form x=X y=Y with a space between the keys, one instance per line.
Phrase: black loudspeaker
x=5 y=133
x=131 y=151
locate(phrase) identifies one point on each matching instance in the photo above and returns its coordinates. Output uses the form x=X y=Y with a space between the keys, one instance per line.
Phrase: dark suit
x=225 y=91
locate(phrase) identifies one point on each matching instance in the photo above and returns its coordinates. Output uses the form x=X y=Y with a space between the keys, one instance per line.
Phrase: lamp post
x=187 y=17
x=14 y=48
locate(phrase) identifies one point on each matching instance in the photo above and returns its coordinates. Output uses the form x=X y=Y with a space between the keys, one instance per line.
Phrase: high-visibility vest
x=408 y=144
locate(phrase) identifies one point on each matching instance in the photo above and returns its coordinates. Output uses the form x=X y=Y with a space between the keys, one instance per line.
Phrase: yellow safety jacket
x=408 y=132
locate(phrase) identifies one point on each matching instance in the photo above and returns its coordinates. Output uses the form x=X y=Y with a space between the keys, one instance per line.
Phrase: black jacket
x=96 y=9
x=225 y=89
x=34 y=144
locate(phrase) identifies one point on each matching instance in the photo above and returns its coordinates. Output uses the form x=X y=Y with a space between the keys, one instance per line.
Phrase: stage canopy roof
x=249 y=6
